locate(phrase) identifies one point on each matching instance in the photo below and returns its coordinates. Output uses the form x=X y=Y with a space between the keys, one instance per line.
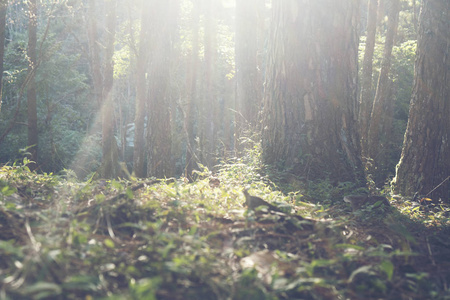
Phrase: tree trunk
x=159 y=163
x=247 y=102
x=208 y=108
x=102 y=81
x=376 y=137
x=366 y=98
x=3 y=9
x=139 y=164
x=191 y=94
x=31 y=88
x=425 y=158
x=309 y=122
x=110 y=151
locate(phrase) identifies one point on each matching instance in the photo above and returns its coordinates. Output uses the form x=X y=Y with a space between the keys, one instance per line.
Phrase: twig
x=437 y=186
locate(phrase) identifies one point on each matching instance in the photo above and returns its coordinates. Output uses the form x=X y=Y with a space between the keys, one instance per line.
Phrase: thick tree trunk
x=310 y=102
x=3 y=9
x=377 y=143
x=366 y=98
x=425 y=159
x=31 y=88
x=139 y=165
x=159 y=163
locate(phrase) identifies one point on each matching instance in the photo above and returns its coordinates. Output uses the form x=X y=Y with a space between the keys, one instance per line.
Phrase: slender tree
x=102 y=80
x=376 y=148
x=247 y=85
x=366 y=97
x=208 y=109
x=110 y=151
x=309 y=117
x=31 y=88
x=3 y=9
x=191 y=94
x=139 y=165
x=424 y=165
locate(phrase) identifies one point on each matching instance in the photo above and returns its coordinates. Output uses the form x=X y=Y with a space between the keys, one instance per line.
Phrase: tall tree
x=139 y=165
x=31 y=88
x=159 y=162
x=247 y=102
x=366 y=97
x=424 y=165
x=208 y=108
x=309 y=116
x=102 y=80
x=110 y=151
x=191 y=94
x=376 y=142
x=3 y=9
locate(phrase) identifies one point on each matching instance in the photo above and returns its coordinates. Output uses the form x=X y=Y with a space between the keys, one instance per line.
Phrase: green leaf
x=388 y=268
x=41 y=290
x=364 y=269
x=109 y=243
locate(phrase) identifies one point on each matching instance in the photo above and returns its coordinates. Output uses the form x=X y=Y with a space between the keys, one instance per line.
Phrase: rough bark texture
x=209 y=98
x=425 y=159
x=110 y=166
x=310 y=101
x=366 y=98
x=31 y=88
x=191 y=87
x=159 y=131
x=377 y=143
x=247 y=102
x=139 y=165
x=102 y=82
x=3 y=8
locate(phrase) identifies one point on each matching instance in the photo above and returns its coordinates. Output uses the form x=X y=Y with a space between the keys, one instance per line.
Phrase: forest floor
x=61 y=238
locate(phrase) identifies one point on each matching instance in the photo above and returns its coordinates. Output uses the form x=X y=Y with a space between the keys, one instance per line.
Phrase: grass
x=166 y=239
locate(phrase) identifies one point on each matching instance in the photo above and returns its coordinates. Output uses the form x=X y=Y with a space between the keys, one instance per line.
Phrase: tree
x=424 y=165
x=377 y=142
x=159 y=162
x=102 y=79
x=310 y=100
x=31 y=88
x=3 y=9
x=247 y=85
x=366 y=98
x=139 y=165
x=191 y=94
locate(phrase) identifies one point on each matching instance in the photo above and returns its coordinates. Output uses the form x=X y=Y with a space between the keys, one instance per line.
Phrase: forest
x=224 y=149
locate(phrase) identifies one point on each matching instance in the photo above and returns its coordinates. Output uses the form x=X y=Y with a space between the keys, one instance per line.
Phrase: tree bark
x=309 y=117
x=102 y=81
x=425 y=158
x=110 y=151
x=209 y=107
x=31 y=88
x=139 y=164
x=159 y=163
x=366 y=98
x=377 y=143
x=191 y=95
x=3 y=9
x=247 y=102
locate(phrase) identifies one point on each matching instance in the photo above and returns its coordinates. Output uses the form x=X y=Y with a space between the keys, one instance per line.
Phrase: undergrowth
x=61 y=238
